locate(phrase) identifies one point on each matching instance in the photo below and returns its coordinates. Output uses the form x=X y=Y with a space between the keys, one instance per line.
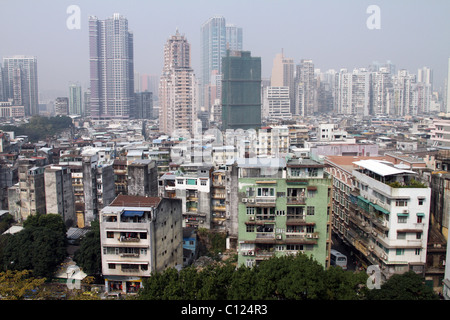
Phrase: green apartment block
x=284 y=208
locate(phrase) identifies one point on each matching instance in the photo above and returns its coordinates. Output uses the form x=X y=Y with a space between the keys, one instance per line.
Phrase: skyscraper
x=283 y=76
x=111 y=68
x=214 y=45
x=177 y=87
x=21 y=82
x=75 y=100
x=233 y=37
x=306 y=93
x=216 y=37
x=241 y=91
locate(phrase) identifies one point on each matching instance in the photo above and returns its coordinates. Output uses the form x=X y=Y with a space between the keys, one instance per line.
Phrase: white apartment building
x=277 y=103
x=272 y=141
x=440 y=133
x=394 y=214
x=139 y=235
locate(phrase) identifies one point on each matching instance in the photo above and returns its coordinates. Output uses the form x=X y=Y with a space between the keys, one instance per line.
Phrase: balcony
x=296 y=200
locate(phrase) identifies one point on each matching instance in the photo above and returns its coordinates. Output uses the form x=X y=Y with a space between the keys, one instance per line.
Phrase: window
x=419 y=219
x=310 y=211
x=401 y=235
x=250 y=228
x=419 y=235
x=180 y=181
x=313 y=172
x=421 y=201
x=110 y=234
x=250 y=210
x=203 y=182
x=266 y=192
x=418 y=251
x=294 y=247
x=400 y=252
x=402 y=219
x=250 y=192
x=401 y=203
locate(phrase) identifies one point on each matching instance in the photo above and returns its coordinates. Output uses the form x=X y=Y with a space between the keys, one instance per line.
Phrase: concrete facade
x=143 y=178
x=283 y=209
x=59 y=195
x=139 y=235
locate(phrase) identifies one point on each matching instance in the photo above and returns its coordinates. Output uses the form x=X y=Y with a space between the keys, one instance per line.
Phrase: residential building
x=144 y=105
x=27 y=197
x=305 y=89
x=177 y=88
x=62 y=106
x=143 y=178
x=283 y=76
x=139 y=236
x=277 y=103
x=241 y=91
x=98 y=184
x=283 y=208
x=111 y=68
x=190 y=246
x=382 y=212
x=59 y=195
x=440 y=133
x=75 y=100
x=21 y=82
x=7 y=110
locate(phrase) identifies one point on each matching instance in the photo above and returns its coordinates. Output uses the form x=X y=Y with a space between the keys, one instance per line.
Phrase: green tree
x=406 y=286
x=344 y=285
x=17 y=285
x=88 y=256
x=243 y=284
x=40 y=246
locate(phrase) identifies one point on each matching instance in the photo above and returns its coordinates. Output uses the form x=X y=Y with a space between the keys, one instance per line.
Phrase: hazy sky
x=333 y=33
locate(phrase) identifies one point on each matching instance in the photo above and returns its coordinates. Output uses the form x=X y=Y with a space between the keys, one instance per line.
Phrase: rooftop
x=135 y=201
x=381 y=167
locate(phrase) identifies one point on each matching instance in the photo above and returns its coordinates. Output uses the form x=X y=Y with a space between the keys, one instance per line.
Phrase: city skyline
x=334 y=35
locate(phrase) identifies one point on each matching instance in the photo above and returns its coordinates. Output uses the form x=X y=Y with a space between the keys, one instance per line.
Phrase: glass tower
x=241 y=91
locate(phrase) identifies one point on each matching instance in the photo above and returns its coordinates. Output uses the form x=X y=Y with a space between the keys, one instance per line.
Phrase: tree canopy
x=88 y=256
x=40 y=246
x=39 y=128
x=406 y=286
x=282 y=278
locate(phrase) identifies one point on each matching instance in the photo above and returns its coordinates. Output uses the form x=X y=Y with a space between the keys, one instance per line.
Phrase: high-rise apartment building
x=21 y=82
x=276 y=103
x=283 y=76
x=59 y=195
x=139 y=236
x=144 y=105
x=217 y=37
x=283 y=209
x=111 y=68
x=62 y=106
x=27 y=197
x=382 y=212
x=75 y=100
x=241 y=91
x=306 y=91
x=352 y=92
x=177 y=87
